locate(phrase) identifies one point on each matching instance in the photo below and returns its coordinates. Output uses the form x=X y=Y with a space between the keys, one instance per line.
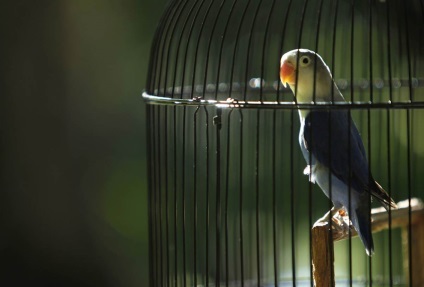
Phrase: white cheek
x=306 y=87
x=306 y=79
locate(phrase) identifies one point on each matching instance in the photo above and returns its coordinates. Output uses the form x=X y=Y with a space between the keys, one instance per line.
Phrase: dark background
x=73 y=181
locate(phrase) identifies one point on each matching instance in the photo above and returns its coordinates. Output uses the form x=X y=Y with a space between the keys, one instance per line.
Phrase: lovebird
x=331 y=143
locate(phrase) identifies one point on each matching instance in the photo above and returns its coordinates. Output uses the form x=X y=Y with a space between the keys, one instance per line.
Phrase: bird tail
x=361 y=220
x=383 y=196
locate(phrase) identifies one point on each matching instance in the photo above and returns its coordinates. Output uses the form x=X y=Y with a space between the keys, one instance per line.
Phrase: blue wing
x=327 y=136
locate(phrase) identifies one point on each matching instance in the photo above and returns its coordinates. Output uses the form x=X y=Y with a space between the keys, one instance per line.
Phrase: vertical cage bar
x=408 y=139
x=258 y=245
x=155 y=48
x=177 y=14
x=274 y=198
x=175 y=197
x=166 y=197
x=268 y=21
x=389 y=192
x=227 y=179
x=249 y=47
x=197 y=46
x=217 y=123
x=241 y=198
x=330 y=179
x=207 y=195
x=209 y=45
x=219 y=60
x=292 y=201
x=389 y=136
x=160 y=48
x=283 y=34
x=309 y=163
x=408 y=128
x=352 y=91
x=370 y=20
x=154 y=203
x=159 y=191
x=195 y=118
x=183 y=195
x=149 y=193
x=236 y=45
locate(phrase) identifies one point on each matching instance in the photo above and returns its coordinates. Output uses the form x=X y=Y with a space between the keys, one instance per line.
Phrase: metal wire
x=241 y=198
x=227 y=180
x=175 y=196
x=150 y=204
x=370 y=41
x=218 y=125
x=389 y=173
x=352 y=37
x=154 y=100
x=408 y=128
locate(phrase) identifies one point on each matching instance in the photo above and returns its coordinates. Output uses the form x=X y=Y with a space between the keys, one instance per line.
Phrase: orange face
x=287 y=73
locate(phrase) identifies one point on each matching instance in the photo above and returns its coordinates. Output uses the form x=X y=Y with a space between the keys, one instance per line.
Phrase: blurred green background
x=73 y=187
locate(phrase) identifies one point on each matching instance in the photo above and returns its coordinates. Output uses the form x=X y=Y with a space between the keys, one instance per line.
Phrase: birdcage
x=229 y=204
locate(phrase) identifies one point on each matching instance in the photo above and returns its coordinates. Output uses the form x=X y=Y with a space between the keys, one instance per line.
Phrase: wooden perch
x=323 y=250
x=322 y=256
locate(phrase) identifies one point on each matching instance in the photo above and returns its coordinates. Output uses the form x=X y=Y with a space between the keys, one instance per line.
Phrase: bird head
x=305 y=71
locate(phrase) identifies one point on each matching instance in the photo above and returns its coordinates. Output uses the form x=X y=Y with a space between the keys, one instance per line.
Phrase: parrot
x=331 y=144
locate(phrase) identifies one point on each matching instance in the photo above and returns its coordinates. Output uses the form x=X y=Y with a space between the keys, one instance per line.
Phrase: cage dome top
x=228 y=51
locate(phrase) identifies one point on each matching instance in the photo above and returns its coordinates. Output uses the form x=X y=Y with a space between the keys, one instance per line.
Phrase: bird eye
x=304 y=61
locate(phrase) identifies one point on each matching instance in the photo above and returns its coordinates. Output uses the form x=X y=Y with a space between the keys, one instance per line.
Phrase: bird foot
x=342 y=224
x=325 y=219
x=339 y=218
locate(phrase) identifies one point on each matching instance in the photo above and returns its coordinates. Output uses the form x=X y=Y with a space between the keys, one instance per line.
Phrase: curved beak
x=287 y=73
